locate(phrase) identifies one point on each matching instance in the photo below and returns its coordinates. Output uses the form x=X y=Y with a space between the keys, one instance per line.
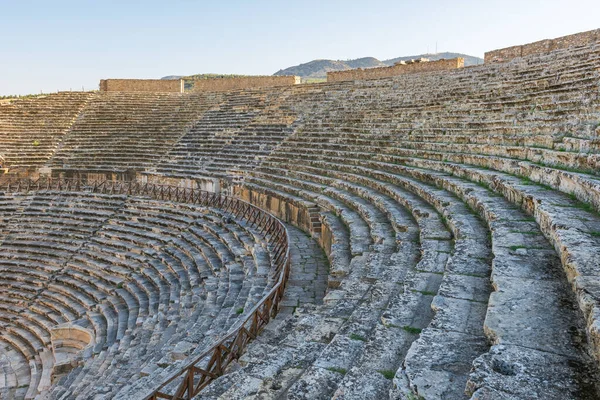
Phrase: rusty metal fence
x=195 y=374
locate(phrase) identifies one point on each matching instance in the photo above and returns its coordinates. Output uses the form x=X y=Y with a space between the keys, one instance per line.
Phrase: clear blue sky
x=58 y=45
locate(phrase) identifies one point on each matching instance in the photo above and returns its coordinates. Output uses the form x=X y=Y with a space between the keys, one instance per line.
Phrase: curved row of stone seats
x=32 y=257
x=540 y=108
x=430 y=115
x=221 y=308
x=11 y=207
x=577 y=185
x=147 y=280
x=31 y=129
x=382 y=298
x=344 y=138
x=553 y=347
x=243 y=129
x=121 y=131
x=382 y=115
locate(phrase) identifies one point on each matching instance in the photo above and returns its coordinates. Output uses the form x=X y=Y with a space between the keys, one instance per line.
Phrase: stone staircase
x=31 y=129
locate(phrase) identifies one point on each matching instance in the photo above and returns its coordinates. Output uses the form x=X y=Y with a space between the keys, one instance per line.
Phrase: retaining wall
x=399 y=69
x=542 y=46
x=225 y=84
x=141 y=85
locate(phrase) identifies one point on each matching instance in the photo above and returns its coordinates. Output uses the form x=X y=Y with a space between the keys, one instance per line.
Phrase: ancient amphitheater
x=429 y=235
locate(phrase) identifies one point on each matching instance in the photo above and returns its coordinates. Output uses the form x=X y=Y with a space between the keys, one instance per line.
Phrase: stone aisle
x=310 y=269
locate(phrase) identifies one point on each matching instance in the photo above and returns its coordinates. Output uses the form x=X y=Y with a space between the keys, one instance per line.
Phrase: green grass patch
x=584 y=206
x=581 y=205
x=473 y=275
x=529 y=219
x=595 y=234
x=425 y=292
x=430 y=272
x=387 y=374
x=515 y=248
x=410 y=329
x=573 y=197
x=487 y=259
x=240 y=310
x=354 y=336
x=337 y=369
x=527 y=182
x=524 y=232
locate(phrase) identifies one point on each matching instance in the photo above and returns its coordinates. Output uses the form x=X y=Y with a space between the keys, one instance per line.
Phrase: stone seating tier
x=150 y=280
x=30 y=129
x=352 y=154
x=459 y=212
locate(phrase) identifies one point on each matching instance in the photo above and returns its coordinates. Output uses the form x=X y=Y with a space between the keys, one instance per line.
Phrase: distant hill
x=316 y=70
x=319 y=68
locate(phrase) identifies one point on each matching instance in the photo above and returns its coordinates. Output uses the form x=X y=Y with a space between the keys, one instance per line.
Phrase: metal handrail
x=188 y=380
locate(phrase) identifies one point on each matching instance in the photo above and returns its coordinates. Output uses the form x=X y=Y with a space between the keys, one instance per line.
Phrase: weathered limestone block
x=437 y=369
x=512 y=372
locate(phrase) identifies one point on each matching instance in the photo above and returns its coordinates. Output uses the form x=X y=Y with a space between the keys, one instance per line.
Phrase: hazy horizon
x=67 y=45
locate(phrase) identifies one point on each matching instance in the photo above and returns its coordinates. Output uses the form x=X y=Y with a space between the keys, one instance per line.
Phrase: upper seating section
x=122 y=131
x=170 y=133
x=30 y=129
x=542 y=108
x=233 y=136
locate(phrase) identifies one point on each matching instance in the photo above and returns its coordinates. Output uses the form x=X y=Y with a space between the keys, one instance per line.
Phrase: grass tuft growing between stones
x=337 y=369
x=412 y=396
x=354 y=336
x=515 y=248
x=410 y=329
x=581 y=205
x=387 y=374
x=425 y=292
x=240 y=310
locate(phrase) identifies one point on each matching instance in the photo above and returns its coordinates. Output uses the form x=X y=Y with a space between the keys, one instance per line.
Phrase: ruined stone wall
x=224 y=84
x=141 y=85
x=399 y=69
x=296 y=214
x=542 y=46
x=207 y=184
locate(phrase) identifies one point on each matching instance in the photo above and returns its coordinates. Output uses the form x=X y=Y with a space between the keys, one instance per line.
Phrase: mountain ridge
x=317 y=69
